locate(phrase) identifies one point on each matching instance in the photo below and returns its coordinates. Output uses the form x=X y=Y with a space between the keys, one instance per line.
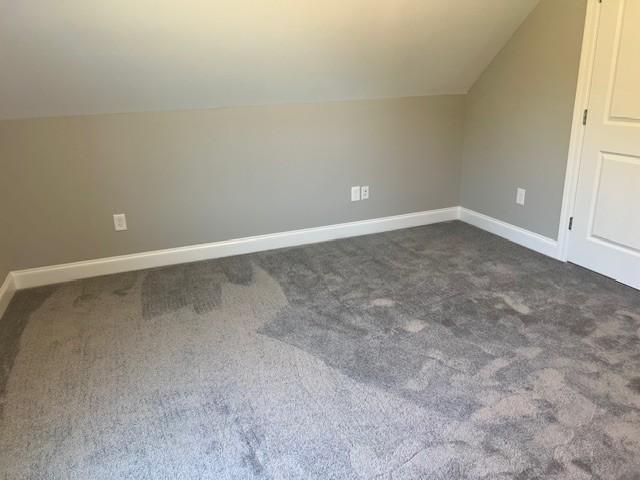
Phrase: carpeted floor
x=439 y=352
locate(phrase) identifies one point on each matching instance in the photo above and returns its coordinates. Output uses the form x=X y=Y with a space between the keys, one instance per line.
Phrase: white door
x=605 y=234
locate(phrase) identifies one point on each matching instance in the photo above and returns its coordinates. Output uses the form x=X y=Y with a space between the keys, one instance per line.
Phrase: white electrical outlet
x=364 y=192
x=120 y=222
x=355 y=193
x=520 y=194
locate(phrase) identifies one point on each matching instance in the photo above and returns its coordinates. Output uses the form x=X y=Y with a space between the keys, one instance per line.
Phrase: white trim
x=526 y=238
x=7 y=290
x=583 y=91
x=36 y=277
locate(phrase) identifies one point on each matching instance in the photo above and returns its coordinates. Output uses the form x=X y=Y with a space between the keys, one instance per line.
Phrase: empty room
x=354 y=239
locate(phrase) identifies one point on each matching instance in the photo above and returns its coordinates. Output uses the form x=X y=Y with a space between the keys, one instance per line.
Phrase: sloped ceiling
x=94 y=56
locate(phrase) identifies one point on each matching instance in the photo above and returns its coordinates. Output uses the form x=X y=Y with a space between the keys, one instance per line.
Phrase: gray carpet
x=439 y=352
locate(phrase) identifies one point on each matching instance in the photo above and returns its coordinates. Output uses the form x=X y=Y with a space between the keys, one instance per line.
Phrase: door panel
x=606 y=225
x=625 y=103
x=618 y=185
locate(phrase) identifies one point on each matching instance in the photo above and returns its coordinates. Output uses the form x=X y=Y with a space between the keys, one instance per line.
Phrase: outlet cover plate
x=120 y=222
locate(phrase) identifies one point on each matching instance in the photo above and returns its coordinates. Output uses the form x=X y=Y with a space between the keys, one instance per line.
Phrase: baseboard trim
x=526 y=238
x=7 y=290
x=37 y=277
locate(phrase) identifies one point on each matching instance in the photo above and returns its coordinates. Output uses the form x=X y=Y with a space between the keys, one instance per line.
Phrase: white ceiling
x=100 y=56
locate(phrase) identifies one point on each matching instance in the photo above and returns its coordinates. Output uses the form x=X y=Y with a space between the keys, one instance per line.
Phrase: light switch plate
x=520 y=195
x=364 y=192
x=355 y=193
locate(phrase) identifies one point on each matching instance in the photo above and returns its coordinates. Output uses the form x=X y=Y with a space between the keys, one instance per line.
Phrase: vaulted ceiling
x=93 y=56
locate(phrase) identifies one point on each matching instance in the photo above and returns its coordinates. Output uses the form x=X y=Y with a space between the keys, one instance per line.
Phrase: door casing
x=583 y=92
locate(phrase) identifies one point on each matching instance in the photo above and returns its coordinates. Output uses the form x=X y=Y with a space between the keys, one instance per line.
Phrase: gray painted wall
x=518 y=120
x=192 y=177
x=206 y=175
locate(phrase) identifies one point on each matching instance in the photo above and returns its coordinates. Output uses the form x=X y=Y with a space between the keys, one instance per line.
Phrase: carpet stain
x=12 y=324
x=513 y=406
x=414 y=326
x=516 y=305
x=196 y=286
x=634 y=384
x=383 y=302
x=83 y=299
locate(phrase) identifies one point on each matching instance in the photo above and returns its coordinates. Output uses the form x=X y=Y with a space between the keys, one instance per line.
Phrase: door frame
x=583 y=92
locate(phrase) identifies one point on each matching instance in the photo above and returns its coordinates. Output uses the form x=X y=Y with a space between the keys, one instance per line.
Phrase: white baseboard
x=526 y=238
x=7 y=290
x=36 y=277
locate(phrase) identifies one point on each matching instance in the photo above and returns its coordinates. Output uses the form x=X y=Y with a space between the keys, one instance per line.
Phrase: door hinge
x=584 y=117
x=571 y=223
